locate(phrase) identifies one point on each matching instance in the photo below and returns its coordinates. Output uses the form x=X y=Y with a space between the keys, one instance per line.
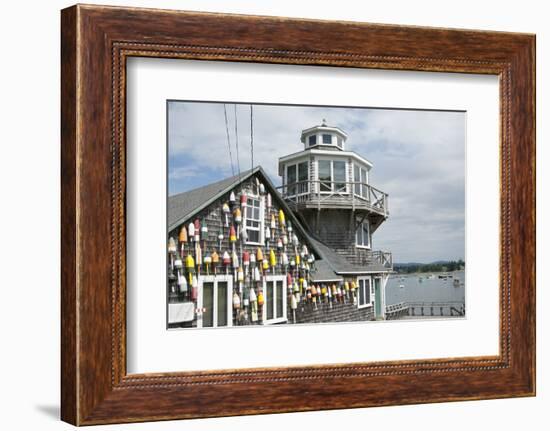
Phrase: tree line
x=442 y=266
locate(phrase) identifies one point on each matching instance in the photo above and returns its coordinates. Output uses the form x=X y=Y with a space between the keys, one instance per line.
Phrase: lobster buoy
x=267 y=234
x=182 y=283
x=252 y=295
x=198 y=254
x=236 y=301
x=284 y=259
x=183 y=235
x=207 y=262
x=285 y=239
x=189 y=262
x=232 y=234
x=232 y=198
x=273 y=223
x=279 y=243
x=262 y=188
x=171 y=245
x=215 y=260
x=353 y=286
x=226 y=259
x=272 y=259
x=226 y=211
x=313 y=290
x=293 y=302
x=297 y=259
x=282 y=221
x=257 y=275
x=243 y=199
x=295 y=240
x=240 y=274
x=178 y=264
x=289 y=280
x=253 y=259
x=269 y=200
x=292 y=263
x=346 y=286
x=204 y=230
x=265 y=264
x=235 y=260
x=260 y=298
x=295 y=286
x=191 y=231
x=259 y=255
x=220 y=239
x=194 y=289
x=197 y=226
x=246 y=259
x=237 y=215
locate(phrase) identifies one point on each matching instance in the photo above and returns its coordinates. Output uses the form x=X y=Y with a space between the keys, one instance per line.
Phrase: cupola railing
x=325 y=194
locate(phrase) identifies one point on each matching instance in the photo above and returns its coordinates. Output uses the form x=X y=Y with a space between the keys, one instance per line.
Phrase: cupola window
x=327 y=139
x=312 y=140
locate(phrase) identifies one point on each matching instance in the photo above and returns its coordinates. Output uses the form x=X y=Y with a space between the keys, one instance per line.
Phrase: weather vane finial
x=324 y=122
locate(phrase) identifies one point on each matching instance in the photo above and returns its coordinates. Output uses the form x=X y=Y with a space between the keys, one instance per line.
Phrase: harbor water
x=426 y=287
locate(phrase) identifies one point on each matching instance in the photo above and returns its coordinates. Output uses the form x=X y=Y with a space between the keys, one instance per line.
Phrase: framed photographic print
x=280 y=207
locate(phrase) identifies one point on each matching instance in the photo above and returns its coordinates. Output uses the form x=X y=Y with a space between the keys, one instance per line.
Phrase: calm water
x=428 y=289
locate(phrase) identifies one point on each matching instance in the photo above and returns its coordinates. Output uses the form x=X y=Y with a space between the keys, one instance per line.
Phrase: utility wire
x=251 y=138
x=237 y=142
x=228 y=140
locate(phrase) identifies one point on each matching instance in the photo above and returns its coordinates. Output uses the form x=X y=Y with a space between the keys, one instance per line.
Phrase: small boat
x=401 y=286
x=456 y=282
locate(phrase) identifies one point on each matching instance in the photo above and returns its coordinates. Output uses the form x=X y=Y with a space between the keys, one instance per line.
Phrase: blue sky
x=418 y=158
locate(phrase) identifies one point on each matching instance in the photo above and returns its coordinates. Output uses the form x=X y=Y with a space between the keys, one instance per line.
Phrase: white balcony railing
x=324 y=193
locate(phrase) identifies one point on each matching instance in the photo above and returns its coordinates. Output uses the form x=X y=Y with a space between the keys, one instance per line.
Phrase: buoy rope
x=228 y=140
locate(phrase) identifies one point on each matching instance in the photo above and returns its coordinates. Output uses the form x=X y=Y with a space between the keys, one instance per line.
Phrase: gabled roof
x=184 y=205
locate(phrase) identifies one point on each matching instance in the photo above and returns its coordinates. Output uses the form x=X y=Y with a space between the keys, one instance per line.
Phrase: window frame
x=296 y=190
x=261 y=220
x=363 y=180
x=332 y=181
x=215 y=279
x=309 y=144
x=273 y=279
x=366 y=290
x=360 y=226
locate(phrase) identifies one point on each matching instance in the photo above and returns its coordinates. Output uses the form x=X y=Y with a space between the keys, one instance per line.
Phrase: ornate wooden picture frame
x=96 y=41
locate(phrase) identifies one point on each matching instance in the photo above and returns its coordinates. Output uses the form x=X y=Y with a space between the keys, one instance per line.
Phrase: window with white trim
x=312 y=140
x=361 y=179
x=274 y=310
x=253 y=220
x=332 y=176
x=364 y=292
x=214 y=301
x=297 y=178
x=362 y=234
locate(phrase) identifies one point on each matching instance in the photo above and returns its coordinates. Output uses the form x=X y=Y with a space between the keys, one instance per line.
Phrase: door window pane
x=339 y=175
x=208 y=305
x=291 y=179
x=279 y=296
x=324 y=175
x=222 y=303
x=269 y=300
x=303 y=176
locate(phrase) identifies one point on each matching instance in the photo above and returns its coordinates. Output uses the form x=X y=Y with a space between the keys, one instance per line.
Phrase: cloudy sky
x=418 y=158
